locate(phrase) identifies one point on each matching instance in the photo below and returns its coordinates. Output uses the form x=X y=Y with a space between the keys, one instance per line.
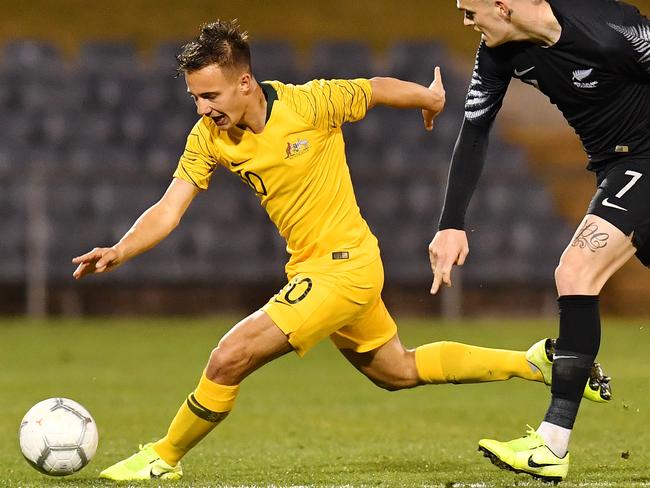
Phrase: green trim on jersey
x=271 y=96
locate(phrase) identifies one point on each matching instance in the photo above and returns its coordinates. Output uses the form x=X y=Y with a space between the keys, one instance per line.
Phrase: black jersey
x=597 y=73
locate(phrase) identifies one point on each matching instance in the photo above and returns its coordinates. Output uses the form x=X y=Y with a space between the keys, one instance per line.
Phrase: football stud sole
x=505 y=466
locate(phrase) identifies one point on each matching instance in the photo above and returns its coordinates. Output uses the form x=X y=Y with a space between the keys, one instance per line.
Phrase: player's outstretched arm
x=405 y=94
x=152 y=226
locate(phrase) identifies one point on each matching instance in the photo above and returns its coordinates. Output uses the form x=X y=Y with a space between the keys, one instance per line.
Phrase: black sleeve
x=464 y=172
x=635 y=28
x=490 y=80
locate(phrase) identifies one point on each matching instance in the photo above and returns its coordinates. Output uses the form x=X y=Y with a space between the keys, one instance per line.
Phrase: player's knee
x=400 y=376
x=227 y=364
x=575 y=279
x=392 y=384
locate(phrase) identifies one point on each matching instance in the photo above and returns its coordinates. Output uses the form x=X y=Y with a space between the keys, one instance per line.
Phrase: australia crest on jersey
x=581 y=78
x=296 y=148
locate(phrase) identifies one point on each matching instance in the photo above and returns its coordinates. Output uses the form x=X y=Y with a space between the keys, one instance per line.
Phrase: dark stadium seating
x=275 y=60
x=30 y=55
x=341 y=59
x=105 y=131
x=108 y=57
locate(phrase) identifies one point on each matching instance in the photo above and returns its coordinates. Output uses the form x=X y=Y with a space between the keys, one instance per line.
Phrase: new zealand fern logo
x=579 y=77
x=639 y=37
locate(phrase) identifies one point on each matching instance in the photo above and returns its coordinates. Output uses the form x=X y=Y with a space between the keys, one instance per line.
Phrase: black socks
x=575 y=351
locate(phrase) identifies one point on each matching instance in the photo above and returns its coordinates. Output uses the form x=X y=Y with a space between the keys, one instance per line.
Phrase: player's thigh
x=250 y=344
x=373 y=346
x=597 y=250
x=258 y=334
x=312 y=306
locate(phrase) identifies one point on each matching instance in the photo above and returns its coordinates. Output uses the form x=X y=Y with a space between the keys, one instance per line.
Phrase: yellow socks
x=452 y=362
x=199 y=414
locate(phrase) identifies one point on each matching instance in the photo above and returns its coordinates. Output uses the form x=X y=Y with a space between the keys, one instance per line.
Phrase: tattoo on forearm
x=590 y=238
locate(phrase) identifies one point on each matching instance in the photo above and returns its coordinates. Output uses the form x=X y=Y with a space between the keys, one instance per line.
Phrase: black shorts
x=623 y=200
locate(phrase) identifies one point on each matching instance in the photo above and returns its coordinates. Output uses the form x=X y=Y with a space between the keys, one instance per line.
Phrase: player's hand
x=437 y=100
x=447 y=248
x=99 y=260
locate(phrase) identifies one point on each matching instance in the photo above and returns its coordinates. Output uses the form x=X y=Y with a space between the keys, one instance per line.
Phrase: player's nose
x=202 y=108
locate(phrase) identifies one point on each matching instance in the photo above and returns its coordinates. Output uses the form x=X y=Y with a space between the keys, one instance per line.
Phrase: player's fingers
x=89 y=256
x=104 y=263
x=441 y=276
x=437 y=279
x=433 y=259
x=462 y=256
x=437 y=267
x=81 y=271
x=446 y=277
x=427 y=115
x=437 y=77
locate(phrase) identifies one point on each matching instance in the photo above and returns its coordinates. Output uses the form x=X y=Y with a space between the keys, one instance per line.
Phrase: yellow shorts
x=344 y=305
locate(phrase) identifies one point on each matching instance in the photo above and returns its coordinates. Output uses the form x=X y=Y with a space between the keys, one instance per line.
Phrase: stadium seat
x=415 y=60
x=163 y=62
x=12 y=251
x=423 y=200
x=19 y=130
x=108 y=57
x=9 y=86
x=341 y=59
x=381 y=202
x=26 y=55
x=160 y=160
x=275 y=60
x=11 y=162
x=404 y=249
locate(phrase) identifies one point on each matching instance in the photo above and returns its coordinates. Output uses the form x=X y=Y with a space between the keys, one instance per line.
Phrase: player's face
x=489 y=17
x=219 y=94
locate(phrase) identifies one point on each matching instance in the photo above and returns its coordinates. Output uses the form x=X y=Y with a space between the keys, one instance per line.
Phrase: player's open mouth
x=220 y=120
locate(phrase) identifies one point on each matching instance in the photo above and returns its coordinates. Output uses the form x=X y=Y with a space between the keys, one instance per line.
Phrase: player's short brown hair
x=222 y=43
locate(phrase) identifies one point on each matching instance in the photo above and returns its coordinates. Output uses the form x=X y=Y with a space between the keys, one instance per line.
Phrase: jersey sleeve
x=489 y=84
x=328 y=104
x=200 y=157
x=490 y=80
x=464 y=172
x=634 y=27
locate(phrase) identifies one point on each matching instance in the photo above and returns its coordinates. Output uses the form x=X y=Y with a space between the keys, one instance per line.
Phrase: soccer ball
x=58 y=436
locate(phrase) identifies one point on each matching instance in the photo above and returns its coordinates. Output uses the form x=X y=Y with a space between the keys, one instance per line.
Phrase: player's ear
x=505 y=12
x=245 y=83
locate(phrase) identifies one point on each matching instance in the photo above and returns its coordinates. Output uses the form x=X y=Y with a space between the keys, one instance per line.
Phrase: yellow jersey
x=297 y=167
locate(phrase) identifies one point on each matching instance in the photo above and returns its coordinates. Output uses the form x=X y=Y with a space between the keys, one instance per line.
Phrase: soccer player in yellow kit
x=285 y=143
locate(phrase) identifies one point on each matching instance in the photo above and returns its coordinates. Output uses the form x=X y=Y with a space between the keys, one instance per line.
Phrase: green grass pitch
x=315 y=421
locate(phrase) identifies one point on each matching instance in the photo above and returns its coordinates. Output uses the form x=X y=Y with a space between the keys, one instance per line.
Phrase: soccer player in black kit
x=592 y=59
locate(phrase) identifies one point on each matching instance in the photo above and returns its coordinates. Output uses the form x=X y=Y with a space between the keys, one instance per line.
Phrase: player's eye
x=469 y=15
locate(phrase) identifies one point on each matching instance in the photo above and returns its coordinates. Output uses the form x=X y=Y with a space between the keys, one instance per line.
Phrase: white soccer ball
x=58 y=436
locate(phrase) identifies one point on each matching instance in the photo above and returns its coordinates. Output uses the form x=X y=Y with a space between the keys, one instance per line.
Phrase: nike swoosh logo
x=523 y=72
x=234 y=165
x=607 y=203
x=564 y=357
x=533 y=464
